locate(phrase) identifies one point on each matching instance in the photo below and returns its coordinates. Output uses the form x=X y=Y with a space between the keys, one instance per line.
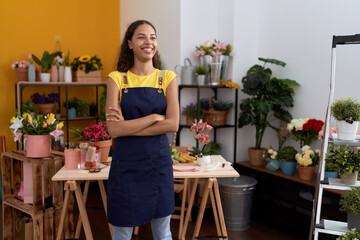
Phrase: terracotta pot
x=46 y=108
x=105 y=148
x=22 y=74
x=256 y=156
x=189 y=120
x=306 y=173
x=38 y=146
x=349 y=179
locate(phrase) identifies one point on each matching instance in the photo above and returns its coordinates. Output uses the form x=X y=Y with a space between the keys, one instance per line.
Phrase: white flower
x=275 y=154
x=305 y=148
x=16 y=124
x=272 y=157
x=317 y=151
x=270 y=151
x=208 y=44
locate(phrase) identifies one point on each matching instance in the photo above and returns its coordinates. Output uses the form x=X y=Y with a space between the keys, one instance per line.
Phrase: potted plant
x=305 y=130
x=347 y=161
x=287 y=160
x=29 y=107
x=347 y=115
x=37 y=131
x=330 y=170
x=350 y=203
x=45 y=103
x=87 y=68
x=352 y=235
x=215 y=111
x=45 y=64
x=191 y=112
x=82 y=107
x=268 y=96
x=21 y=69
x=307 y=160
x=71 y=106
x=200 y=73
x=95 y=135
x=93 y=109
x=201 y=130
x=271 y=155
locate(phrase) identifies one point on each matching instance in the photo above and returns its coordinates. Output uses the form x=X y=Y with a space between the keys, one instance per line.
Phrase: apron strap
x=160 y=81
x=125 y=82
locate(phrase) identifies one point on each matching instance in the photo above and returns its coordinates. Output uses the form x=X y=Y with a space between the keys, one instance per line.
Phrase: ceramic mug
x=187 y=73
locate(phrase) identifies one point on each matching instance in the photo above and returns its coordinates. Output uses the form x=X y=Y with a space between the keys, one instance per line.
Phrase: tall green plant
x=45 y=62
x=269 y=96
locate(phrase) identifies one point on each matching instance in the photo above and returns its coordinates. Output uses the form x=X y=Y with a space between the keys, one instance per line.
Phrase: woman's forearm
x=130 y=127
x=165 y=126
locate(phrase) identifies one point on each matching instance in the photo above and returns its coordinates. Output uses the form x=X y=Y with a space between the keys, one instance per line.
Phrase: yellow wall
x=85 y=27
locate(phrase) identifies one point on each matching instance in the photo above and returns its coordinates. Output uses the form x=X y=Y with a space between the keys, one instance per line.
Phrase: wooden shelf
x=19 y=205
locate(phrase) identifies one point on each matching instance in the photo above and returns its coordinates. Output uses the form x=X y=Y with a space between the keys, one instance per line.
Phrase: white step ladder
x=319 y=225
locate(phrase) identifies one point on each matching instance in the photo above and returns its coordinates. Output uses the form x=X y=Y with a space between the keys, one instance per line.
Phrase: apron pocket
x=131 y=178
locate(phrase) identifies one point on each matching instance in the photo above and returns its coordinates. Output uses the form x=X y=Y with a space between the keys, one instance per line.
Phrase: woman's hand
x=114 y=115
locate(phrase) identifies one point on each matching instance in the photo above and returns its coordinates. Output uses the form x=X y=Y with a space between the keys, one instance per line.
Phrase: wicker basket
x=215 y=118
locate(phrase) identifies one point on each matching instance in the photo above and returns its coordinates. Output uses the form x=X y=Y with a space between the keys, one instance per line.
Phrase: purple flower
x=43 y=99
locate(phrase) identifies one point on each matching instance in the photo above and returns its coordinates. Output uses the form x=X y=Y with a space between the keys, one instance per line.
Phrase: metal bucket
x=236 y=197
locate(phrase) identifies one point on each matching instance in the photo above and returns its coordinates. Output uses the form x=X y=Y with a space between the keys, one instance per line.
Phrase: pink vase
x=38 y=146
x=72 y=158
x=54 y=73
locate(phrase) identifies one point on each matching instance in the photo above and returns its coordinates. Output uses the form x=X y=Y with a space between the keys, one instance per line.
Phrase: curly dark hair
x=126 y=56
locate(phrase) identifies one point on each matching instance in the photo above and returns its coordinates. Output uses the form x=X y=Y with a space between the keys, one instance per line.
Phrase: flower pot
x=331 y=174
x=105 y=148
x=46 y=108
x=288 y=168
x=67 y=75
x=45 y=77
x=346 y=131
x=306 y=173
x=22 y=74
x=201 y=79
x=349 y=179
x=256 y=156
x=54 y=73
x=37 y=146
x=203 y=161
x=72 y=158
x=31 y=73
x=273 y=165
x=353 y=221
x=71 y=113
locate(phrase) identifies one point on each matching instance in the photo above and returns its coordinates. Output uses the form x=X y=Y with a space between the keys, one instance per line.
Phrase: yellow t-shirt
x=135 y=81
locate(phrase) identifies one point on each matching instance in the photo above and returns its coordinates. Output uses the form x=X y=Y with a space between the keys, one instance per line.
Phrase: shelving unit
x=20 y=86
x=319 y=225
x=215 y=90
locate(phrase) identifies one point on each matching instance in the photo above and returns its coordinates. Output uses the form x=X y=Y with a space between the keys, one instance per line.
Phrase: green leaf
x=272 y=61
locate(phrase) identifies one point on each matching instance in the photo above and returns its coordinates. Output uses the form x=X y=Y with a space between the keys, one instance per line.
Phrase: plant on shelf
x=269 y=98
x=45 y=62
x=352 y=235
x=29 y=107
x=72 y=107
x=270 y=153
x=214 y=49
x=347 y=115
x=307 y=160
x=82 y=107
x=86 y=63
x=191 y=112
x=305 y=130
x=45 y=103
x=287 y=160
x=201 y=70
x=215 y=111
x=94 y=134
x=347 y=161
x=350 y=203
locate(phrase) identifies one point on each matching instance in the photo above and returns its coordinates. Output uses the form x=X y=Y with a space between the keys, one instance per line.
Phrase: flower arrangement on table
x=215 y=48
x=92 y=133
x=308 y=157
x=201 y=131
x=305 y=130
x=86 y=63
x=41 y=125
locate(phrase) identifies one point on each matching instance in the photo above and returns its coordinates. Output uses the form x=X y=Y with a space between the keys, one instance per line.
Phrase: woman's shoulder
x=168 y=74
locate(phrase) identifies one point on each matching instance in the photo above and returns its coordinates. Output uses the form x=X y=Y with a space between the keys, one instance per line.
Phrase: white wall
x=296 y=32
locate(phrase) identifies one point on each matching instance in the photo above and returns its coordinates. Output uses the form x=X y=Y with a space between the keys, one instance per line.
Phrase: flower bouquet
x=46 y=104
x=37 y=131
x=201 y=131
x=305 y=130
x=21 y=68
x=87 y=68
x=214 y=49
x=307 y=161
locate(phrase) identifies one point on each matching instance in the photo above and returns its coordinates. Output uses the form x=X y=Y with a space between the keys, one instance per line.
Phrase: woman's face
x=144 y=42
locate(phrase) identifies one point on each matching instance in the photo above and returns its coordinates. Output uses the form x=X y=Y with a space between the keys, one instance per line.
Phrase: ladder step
x=332 y=227
x=335 y=183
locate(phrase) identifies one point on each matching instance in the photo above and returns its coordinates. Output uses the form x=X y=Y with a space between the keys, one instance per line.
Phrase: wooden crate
x=44 y=218
x=81 y=76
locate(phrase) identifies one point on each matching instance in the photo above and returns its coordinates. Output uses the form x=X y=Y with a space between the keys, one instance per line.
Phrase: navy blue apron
x=141 y=185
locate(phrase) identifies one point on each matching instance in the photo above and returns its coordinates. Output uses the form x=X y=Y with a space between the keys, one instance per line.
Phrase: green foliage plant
x=102 y=105
x=343 y=109
x=45 y=62
x=352 y=235
x=28 y=107
x=350 y=201
x=287 y=154
x=345 y=158
x=269 y=98
x=201 y=70
x=82 y=106
x=330 y=167
x=192 y=111
x=72 y=103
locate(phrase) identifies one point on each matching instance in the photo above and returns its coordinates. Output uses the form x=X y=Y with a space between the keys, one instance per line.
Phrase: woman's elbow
x=174 y=126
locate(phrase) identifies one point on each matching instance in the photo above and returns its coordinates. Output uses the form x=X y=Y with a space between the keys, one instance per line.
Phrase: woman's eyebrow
x=143 y=34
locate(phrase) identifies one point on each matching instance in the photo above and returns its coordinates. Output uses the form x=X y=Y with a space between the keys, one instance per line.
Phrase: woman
x=140 y=187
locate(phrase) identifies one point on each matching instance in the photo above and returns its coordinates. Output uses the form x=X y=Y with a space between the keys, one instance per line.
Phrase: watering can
x=187 y=72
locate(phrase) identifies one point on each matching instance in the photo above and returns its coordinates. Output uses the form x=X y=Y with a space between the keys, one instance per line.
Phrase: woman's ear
x=130 y=44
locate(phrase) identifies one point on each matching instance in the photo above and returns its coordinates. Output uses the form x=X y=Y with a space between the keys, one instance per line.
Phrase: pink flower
x=219 y=45
x=202 y=126
x=199 y=53
x=206 y=139
x=18 y=135
x=56 y=133
x=194 y=128
x=209 y=127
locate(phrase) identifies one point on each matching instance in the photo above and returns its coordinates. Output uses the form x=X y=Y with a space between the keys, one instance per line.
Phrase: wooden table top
x=78 y=174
